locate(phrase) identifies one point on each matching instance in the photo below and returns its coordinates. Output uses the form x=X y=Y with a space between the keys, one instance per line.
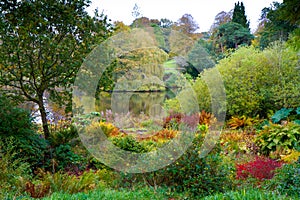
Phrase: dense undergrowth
x=243 y=164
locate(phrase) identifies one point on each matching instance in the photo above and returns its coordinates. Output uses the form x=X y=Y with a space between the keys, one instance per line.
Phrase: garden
x=225 y=123
x=255 y=157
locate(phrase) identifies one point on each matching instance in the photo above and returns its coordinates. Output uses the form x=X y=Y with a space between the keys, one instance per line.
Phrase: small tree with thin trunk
x=43 y=44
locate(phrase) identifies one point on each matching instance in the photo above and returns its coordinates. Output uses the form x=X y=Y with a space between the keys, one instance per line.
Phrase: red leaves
x=261 y=168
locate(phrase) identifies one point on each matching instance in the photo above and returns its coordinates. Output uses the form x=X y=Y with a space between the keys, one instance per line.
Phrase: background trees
x=278 y=21
x=231 y=35
x=229 y=31
x=221 y=18
x=43 y=45
x=239 y=15
x=186 y=25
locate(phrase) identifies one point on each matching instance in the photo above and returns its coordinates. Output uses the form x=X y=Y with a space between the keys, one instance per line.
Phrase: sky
x=203 y=11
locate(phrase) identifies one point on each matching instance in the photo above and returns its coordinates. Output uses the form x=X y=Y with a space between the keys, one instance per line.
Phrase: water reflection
x=149 y=103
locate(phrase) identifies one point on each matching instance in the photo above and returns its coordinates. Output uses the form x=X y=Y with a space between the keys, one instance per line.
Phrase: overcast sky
x=203 y=11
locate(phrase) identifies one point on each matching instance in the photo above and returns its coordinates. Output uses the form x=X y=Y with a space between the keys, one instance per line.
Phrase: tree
x=137 y=64
x=198 y=59
x=187 y=25
x=290 y=11
x=120 y=27
x=239 y=15
x=43 y=44
x=231 y=35
x=166 y=23
x=277 y=24
x=136 y=12
x=221 y=18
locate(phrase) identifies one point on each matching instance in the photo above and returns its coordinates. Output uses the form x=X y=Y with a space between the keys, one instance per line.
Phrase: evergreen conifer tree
x=239 y=15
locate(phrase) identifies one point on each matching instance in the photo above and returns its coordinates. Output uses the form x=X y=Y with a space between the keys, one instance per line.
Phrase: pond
x=133 y=102
x=134 y=112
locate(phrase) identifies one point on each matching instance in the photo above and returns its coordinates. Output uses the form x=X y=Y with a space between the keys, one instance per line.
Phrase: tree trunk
x=43 y=113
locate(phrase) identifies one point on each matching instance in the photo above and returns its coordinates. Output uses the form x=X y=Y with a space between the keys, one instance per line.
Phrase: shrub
x=278 y=137
x=13 y=120
x=238 y=141
x=63 y=157
x=17 y=133
x=292 y=157
x=255 y=84
x=109 y=129
x=173 y=120
x=129 y=143
x=62 y=133
x=48 y=183
x=32 y=148
x=288 y=114
x=163 y=135
x=13 y=172
x=286 y=180
x=199 y=176
x=241 y=122
x=206 y=118
x=261 y=168
x=172 y=105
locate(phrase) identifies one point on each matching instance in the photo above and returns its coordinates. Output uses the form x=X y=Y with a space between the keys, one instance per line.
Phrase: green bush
x=198 y=176
x=190 y=173
x=129 y=143
x=32 y=148
x=256 y=84
x=277 y=137
x=286 y=180
x=13 y=172
x=17 y=133
x=63 y=157
x=62 y=133
x=288 y=114
x=14 y=120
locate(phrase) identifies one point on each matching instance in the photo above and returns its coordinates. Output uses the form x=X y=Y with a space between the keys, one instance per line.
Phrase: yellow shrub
x=107 y=128
x=292 y=157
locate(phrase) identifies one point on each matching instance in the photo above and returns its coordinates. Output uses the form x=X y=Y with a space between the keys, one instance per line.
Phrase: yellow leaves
x=241 y=122
x=206 y=118
x=106 y=128
x=109 y=129
x=292 y=157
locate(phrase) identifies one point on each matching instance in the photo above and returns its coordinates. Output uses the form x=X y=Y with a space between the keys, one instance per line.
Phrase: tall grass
x=251 y=194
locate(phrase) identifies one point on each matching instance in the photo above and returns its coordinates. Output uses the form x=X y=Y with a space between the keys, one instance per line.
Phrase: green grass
x=251 y=194
x=149 y=194
x=107 y=194
x=171 y=64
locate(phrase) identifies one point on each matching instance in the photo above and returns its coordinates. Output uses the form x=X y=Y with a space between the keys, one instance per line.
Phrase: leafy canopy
x=42 y=46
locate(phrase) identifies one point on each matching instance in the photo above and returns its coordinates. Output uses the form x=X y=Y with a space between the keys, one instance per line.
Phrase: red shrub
x=261 y=168
x=172 y=118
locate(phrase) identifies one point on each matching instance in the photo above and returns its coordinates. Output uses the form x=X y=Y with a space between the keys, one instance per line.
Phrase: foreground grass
x=252 y=194
x=107 y=194
x=150 y=194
